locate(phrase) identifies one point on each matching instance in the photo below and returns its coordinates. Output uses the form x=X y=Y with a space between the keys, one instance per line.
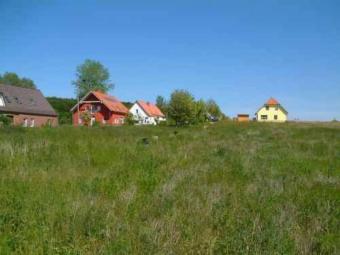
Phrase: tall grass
x=220 y=189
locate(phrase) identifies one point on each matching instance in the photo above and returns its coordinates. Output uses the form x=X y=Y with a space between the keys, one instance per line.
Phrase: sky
x=238 y=53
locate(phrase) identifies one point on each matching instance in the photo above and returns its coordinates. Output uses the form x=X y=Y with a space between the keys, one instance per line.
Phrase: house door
x=93 y=120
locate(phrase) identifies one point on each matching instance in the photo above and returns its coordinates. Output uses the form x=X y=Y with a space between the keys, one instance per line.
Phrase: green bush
x=5 y=121
x=129 y=120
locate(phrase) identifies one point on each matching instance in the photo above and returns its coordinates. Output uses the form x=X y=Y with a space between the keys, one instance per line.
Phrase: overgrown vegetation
x=63 y=106
x=4 y=121
x=225 y=188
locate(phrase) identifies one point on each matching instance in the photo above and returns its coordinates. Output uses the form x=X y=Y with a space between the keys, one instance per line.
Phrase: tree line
x=13 y=79
x=183 y=109
x=180 y=109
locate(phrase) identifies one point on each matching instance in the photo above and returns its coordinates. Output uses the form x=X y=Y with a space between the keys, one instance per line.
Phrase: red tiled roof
x=272 y=101
x=111 y=102
x=150 y=109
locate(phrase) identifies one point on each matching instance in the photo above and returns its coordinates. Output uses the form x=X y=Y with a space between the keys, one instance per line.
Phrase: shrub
x=5 y=121
x=129 y=120
x=86 y=118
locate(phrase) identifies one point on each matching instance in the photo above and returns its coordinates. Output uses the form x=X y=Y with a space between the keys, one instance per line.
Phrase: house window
x=25 y=123
x=2 y=101
x=106 y=116
x=32 y=123
x=137 y=111
x=119 y=121
x=95 y=108
x=264 y=117
x=49 y=123
x=7 y=99
x=267 y=108
x=275 y=117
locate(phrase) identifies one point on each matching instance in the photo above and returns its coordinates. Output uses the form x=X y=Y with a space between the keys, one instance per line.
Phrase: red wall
x=110 y=118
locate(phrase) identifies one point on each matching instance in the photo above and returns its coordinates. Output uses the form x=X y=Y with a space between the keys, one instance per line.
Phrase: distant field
x=221 y=189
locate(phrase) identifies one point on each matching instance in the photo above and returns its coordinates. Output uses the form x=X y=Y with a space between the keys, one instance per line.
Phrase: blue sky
x=239 y=53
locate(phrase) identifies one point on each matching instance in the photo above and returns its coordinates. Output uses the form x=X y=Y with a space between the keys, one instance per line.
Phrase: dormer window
x=7 y=99
x=2 y=101
x=267 y=107
x=16 y=99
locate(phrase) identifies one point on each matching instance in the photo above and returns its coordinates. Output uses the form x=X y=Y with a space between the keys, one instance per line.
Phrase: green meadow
x=227 y=188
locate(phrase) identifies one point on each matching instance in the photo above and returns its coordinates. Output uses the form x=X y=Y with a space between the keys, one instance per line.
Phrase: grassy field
x=227 y=188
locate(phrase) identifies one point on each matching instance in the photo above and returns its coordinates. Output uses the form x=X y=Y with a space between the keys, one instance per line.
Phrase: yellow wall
x=271 y=112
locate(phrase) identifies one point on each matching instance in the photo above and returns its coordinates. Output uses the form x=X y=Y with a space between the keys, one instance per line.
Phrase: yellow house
x=271 y=111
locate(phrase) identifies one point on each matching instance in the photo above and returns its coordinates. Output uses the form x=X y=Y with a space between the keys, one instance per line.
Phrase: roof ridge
x=150 y=108
x=9 y=85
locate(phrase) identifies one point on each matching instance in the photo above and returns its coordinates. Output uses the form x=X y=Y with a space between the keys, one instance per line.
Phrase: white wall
x=271 y=112
x=141 y=116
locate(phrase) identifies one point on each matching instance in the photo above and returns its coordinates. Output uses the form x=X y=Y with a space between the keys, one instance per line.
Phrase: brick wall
x=34 y=120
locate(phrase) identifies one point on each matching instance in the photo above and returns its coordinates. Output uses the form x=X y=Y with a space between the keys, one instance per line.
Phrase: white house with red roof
x=101 y=108
x=272 y=111
x=146 y=113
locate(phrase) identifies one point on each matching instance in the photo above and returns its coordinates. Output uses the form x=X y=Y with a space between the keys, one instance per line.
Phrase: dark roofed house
x=26 y=107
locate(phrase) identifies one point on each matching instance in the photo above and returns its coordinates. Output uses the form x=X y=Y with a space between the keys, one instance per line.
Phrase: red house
x=99 y=107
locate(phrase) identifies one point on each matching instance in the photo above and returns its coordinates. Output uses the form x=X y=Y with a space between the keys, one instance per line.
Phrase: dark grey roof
x=24 y=100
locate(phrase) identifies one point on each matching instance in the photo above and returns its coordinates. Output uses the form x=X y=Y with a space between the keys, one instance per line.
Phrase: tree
x=92 y=75
x=213 y=109
x=13 y=79
x=27 y=83
x=201 y=111
x=162 y=104
x=182 y=107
